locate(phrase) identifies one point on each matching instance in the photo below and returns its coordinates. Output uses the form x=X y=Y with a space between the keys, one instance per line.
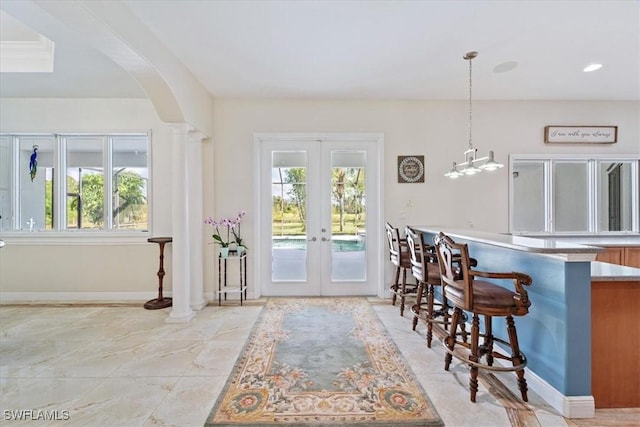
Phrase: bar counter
x=571 y=251
x=631 y=239
x=615 y=335
x=555 y=335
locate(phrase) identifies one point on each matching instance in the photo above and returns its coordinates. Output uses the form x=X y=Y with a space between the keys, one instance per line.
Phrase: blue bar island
x=556 y=334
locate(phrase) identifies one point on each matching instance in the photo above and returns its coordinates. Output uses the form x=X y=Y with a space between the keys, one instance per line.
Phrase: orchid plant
x=233 y=228
x=217 y=235
x=236 y=235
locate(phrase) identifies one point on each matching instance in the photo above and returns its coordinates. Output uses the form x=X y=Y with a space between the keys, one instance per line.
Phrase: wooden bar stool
x=160 y=302
x=482 y=298
x=425 y=269
x=400 y=258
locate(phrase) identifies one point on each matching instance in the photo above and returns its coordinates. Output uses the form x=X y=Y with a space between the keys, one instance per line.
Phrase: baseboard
x=567 y=406
x=579 y=407
x=71 y=297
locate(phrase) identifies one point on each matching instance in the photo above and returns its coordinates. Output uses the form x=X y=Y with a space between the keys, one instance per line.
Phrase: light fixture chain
x=470 y=104
x=472 y=163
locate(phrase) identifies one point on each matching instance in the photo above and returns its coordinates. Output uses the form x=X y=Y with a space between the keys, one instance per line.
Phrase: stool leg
x=404 y=290
x=451 y=338
x=429 y=314
x=416 y=307
x=488 y=340
x=445 y=312
x=515 y=356
x=394 y=286
x=462 y=321
x=475 y=337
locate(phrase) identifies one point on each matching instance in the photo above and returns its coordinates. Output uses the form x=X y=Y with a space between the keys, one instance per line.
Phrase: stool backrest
x=393 y=241
x=449 y=255
x=415 y=242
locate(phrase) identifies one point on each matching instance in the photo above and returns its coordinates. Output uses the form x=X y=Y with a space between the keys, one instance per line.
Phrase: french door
x=319 y=198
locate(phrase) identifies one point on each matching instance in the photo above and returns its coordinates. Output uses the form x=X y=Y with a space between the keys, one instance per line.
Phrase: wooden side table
x=160 y=302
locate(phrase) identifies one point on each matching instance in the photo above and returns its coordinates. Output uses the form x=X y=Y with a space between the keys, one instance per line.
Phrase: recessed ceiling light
x=592 y=67
x=505 y=67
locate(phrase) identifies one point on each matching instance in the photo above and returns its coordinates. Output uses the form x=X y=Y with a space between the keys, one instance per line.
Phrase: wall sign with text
x=410 y=169
x=581 y=134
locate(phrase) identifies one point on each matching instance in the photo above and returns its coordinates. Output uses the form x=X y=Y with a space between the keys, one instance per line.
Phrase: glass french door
x=319 y=209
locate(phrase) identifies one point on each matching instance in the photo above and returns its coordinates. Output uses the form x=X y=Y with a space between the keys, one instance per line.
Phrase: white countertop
x=563 y=249
x=605 y=272
x=633 y=240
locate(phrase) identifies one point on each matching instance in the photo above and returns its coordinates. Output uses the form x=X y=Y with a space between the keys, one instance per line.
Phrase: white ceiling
x=366 y=50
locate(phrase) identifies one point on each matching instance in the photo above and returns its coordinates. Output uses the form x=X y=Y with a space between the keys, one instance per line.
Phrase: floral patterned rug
x=321 y=361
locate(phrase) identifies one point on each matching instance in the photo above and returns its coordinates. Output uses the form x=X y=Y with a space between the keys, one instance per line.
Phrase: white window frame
x=60 y=233
x=592 y=162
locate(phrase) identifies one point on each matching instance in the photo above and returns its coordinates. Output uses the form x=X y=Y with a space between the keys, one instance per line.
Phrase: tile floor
x=125 y=366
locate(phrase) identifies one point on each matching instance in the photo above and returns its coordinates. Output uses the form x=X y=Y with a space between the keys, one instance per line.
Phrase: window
x=528 y=198
x=574 y=195
x=570 y=194
x=74 y=182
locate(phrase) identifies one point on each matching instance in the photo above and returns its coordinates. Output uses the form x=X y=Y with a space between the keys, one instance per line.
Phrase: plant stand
x=224 y=287
x=159 y=302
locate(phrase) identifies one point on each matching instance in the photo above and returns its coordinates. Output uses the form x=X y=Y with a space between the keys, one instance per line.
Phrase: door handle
x=324 y=239
x=313 y=239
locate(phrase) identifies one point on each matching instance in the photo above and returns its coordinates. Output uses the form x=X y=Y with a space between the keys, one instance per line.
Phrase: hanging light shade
x=491 y=164
x=453 y=173
x=472 y=163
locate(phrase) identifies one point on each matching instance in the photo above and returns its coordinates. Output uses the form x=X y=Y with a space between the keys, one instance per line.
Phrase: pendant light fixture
x=472 y=164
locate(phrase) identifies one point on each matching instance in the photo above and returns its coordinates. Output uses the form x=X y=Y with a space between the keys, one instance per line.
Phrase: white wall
x=113 y=267
x=439 y=130
x=436 y=129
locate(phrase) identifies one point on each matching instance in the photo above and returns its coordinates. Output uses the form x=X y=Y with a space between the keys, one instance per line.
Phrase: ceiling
x=409 y=50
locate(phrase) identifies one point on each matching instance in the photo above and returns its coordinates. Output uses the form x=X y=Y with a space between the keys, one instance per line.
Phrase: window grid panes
x=289 y=215
x=348 y=215
x=85 y=183
x=59 y=182
x=574 y=195
x=529 y=197
x=6 y=172
x=615 y=204
x=570 y=197
x=35 y=194
x=130 y=179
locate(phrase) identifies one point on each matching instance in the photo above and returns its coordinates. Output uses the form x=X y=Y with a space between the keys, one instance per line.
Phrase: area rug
x=321 y=361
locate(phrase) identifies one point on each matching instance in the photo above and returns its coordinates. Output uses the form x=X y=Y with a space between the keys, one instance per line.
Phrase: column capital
x=196 y=136
x=181 y=127
x=188 y=131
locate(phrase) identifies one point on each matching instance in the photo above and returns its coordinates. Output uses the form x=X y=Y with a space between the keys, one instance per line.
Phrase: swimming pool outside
x=338 y=243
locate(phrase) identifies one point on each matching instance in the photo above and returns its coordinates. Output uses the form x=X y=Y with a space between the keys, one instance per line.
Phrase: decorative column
x=196 y=219
x=181 y=309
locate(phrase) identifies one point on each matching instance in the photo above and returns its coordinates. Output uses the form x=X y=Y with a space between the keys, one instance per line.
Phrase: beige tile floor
x=125 y=366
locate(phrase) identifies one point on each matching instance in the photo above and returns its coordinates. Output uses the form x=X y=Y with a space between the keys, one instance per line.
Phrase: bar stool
x=161 y=301
x=482 y=298
x=400 y=258
x=425 y=269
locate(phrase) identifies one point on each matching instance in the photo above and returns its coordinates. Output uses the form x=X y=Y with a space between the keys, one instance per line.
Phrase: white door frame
x=376 y=247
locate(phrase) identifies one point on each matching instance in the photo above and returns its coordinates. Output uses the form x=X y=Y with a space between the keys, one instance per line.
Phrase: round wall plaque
x=410 y=169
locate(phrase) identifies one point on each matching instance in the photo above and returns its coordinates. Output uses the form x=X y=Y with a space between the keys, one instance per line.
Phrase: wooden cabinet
x=632 y=256
x=611 y=255
x=615 y=344
x=629 y=256
x=615 y=334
